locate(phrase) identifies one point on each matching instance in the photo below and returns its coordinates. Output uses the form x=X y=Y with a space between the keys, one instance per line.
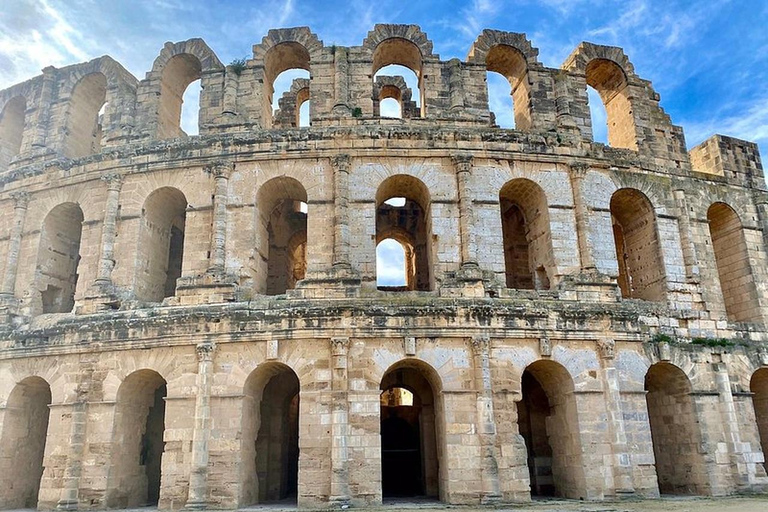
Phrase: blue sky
x=707 y=59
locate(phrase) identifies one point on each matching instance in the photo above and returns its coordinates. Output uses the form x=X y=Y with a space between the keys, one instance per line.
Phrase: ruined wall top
x=81 y=110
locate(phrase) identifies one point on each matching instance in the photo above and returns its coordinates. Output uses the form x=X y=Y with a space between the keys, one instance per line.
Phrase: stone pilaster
x=341 y=81
x=577 y=175
x=621 y=464
x=341 y=210
x=109 y=230
x=220 y=172
x=339 y=422
x=463 y=165
x=690 y=259
x=42 y=117
x=486 y=422
x=198 y=478
x=21 y=201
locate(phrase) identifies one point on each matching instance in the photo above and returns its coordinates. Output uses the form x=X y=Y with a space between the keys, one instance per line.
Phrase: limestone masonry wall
x=195 y=321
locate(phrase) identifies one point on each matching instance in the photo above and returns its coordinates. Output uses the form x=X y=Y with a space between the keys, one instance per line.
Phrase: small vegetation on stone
x=713 y=342
x=662 y=338
x=237 y=66
x=357 y=112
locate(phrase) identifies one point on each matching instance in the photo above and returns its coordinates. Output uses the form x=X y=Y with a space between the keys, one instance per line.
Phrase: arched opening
x=394 y=265
x=83 y=134
x=641 y=267
x=282 y=232
x=179 y=72
x=397 y=57
x=11 y=129
x=598 y=115
x=135 y=474
x=161 y=244
x=283 y=64
x=302 y=110
x=270 y=442
x=508 y=75
x=732 y=261
x=390 y=107
x=410 y=436
x=408 y=221
x=548 y=421
x=528 y=254
x=610 y=82
x=58 y=258
x=680 y=466
x=190 y=108
x=22 y=444
x=758 y=385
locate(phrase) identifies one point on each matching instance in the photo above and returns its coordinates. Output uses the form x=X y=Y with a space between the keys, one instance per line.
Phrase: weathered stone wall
x=200 y=316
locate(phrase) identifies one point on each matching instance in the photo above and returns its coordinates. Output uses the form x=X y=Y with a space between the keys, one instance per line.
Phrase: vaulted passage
x=270 y=447
x=58 y=258
x=548 y=421
x=179 y=72
x=758 y=385
x=610 y=82
x=399 y=58
x=508 y=62
x=22 y=444
x=83 y=135
x=282 y=233
x=161 y=244
x=403 y=215
x=641 y=268
x=138 y=443
x=528 y=254
x=680 y=465
x=733 y=268
x=409 y=439
x=11 y=129
x=285 y=64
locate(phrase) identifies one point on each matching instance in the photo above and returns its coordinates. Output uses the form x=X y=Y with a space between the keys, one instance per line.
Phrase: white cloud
x=390 y=263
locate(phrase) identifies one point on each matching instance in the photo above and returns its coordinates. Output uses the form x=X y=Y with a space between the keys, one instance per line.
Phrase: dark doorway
x=401 y=470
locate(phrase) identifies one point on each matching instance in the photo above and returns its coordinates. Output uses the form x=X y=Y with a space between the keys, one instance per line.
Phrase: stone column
x=339 y=422
x=42 y=119
x=341 y=80
x=690 y=259
x=622 y=466
x=730 y=422
x=468 y=240
x=197 y=498
x=220 y=172
x=20 y=203
x=341 y=210
x=486 y=422
x=456 y=84
x=109 y=229
x=577 y=175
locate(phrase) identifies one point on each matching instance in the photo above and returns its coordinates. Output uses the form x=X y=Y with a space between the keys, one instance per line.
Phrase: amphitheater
x=195 y=321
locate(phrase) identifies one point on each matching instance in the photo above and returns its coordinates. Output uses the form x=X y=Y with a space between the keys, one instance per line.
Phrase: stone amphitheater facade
x=195 y=321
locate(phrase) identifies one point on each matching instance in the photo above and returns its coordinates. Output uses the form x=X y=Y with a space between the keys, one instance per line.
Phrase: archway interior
x=758 y=385
x=12 y=119
x=190 y=108
x=138 y=443
x=22 y=445
x=610 y=83
x=509 y=90
x=271 y=436
x=59 y=258
x=84 y=130
x=527 y=239
x=638 y=252
x=394 y=264
x=409 y=458
x=398 y=59
x=284 y=65
x=680 y=467
x=179 y=72
x=161 y=250
x=402 y=214
x=548 y=422
x=732 y=261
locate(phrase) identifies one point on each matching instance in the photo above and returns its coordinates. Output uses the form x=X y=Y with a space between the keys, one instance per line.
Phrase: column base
x=212 y=287
x=67 y=505
x=589 y=285
x=9 y=308
x=490 y=499
x=469 y=281
x=197 y=505
x=100 y=297
x=338 y=282
x=341 y=502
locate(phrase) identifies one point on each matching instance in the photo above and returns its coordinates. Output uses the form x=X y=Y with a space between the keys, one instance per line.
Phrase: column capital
x=606 y=348
x=462 y=161
x=205 y=351
x=339 y=345
x=578 y=169
x=341 y=162
x=114 y=181
x=20 y=200
x=481 y=344
x=219 y=169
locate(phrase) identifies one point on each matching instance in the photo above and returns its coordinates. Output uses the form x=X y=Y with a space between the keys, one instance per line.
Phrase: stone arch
x=410 y=224
x=83 y=129
x=509 y=54
x=638 y=251
x=732 y=262
x=528 y=254
x=281 y=230
x=160 y=251
x=22 y=442
x=548 y=421
x=412 y=437
x=288 y=115
x=58 y=258
x=270 y=434
x=404 y=45
x=134 y=477
x=281 y=50
x=12 y=121
x=758 y=385
x=394 y=87
x=680 y=465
